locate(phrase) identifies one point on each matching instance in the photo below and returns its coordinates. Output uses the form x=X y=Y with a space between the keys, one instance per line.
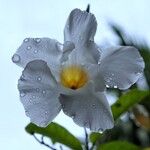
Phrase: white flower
x=69 y=76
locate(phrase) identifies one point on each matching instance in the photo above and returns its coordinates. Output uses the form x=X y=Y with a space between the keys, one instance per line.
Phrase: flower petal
x=121 y=67
x=80 y=29
x=39 y=93
x=48 y=50
x=88 y=109
x=95 y=77
x=80 y=26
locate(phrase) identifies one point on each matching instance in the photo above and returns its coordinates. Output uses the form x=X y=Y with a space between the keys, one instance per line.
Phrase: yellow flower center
x=73 y=77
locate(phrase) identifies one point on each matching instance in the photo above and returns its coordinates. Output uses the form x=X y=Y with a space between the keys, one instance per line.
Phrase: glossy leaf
x=118 y=145
x=56 y=133
x=127 y=100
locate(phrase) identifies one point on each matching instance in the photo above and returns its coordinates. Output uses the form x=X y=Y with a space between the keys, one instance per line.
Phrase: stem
x=88 y=8
x=86 y=139
x=43 y=143
x=93 y=145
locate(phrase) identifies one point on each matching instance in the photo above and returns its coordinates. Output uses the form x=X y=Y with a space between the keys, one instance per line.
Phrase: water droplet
x=44 y=92
x=115 y=86
x=30 y=101
x=137 y=73
x=39 y=78
x=26 y=40
x=112 y=74
x=107 y=86
x=22 y=78
x=59 y=46
x=34 y=96
x=93 y=105
x=22 y=94
x=16 y=58
x=46 y=112
x=29 y=47
x=35 y=51
x=37 y=89
x=37 y=40
x=100 y=130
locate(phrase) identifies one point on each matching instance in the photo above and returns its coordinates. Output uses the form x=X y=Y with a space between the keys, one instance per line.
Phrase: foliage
x=57 y=133
x=118 y=145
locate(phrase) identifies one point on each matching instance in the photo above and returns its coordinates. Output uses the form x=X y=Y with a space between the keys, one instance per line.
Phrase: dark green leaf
x=127 y=100
x=118 y=145
x=56 y=133
x=94 y=136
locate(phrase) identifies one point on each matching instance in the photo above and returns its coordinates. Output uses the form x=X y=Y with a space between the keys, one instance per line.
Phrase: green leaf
x=127 y=100
x=56 y=133
x=118 y=145
x=94 y=136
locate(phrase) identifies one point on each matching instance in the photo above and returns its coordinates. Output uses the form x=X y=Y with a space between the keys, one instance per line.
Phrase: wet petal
x=48 y=50
x=39 y=93
x=95 y=77
x=121 y=67
x=88 y=109
x=80 y=29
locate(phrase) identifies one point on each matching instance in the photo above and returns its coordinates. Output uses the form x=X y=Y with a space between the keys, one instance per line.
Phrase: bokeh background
x=46 y=18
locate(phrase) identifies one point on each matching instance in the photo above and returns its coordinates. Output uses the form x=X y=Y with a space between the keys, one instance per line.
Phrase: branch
x=86 y=139
x=42 y=142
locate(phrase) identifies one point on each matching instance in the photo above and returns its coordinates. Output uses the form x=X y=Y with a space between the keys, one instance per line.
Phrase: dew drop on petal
x=44 y=92
x=26 y=40
x=22 y=94
x=107 y=86
x=39 y=78
x=93 y=105
x=46 y=112
x=100 y=130
x=115 y=86
x=37 y=40
x=37 y=89
x=35 y=51
x=16 y=58
x=33 y=96
x=29 y=47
